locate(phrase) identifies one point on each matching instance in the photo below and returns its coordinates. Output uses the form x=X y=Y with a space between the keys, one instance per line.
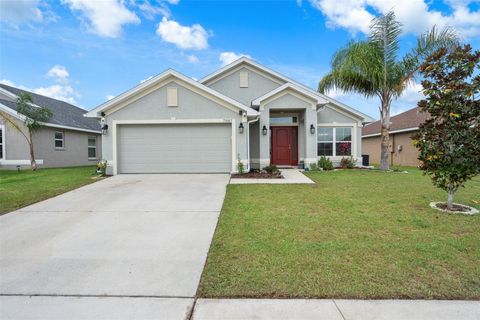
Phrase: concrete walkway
x=127 y=247
x=268 y=309
x=291 y=176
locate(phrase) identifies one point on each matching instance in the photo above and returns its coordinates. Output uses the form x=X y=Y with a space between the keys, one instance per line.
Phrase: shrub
x=102 y=167
x=271 y=169
x=240 y=166
x=347 y=163
x=325 y=163
x=314 y=167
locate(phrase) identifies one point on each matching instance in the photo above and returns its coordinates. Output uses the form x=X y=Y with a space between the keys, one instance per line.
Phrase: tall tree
x=449 y=142
x=34 y=117
x=372 y=67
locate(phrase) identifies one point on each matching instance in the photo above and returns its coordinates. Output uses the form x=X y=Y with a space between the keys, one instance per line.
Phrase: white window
x=172 y=97
x=2 y=141
x=243 y=79
x=59 y=140
x=336 y=142
x=92 y=147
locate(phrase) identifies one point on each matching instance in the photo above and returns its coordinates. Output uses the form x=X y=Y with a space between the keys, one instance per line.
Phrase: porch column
x=310 y=139
x=264 y=142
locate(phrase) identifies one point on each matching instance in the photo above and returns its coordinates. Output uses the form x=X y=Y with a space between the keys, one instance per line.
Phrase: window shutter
x=172 y=97
x=243 y=79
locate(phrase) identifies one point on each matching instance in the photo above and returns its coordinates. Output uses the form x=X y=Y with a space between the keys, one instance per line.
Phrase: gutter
x=248 y=141
x=390 y=132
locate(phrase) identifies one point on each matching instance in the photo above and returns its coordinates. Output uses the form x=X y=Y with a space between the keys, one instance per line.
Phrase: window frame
x=2 y=142
x=334 y=141
x=55 y=139
x=92 y=147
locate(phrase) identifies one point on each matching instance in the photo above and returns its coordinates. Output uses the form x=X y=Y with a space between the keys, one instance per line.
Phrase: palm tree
x=371 y=67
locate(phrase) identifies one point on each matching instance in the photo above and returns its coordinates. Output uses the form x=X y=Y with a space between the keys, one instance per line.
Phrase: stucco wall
x=406 y=157
x=75 y=152
x=191 y=105
x=258 y=86
x=330 y=116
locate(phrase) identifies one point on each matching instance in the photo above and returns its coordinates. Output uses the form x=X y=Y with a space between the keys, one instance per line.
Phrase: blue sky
x=86 y=51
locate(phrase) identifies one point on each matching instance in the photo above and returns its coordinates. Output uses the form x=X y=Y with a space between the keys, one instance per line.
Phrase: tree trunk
x=450 y=194
x=33 y=163
x=385 y=140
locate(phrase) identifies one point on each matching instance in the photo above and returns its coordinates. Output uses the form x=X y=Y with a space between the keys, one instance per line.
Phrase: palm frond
x=384 y=33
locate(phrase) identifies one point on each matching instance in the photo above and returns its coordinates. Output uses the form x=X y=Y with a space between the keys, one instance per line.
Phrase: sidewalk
x=300 y=309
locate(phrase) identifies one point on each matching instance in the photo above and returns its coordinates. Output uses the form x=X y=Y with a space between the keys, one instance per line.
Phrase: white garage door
x=174 y=148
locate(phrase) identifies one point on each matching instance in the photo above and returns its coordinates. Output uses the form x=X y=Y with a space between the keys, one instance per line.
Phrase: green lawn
x=19 y=189
x=355 y=234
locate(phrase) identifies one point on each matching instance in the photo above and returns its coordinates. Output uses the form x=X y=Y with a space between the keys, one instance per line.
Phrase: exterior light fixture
x=264 y=130
x=240 y=128
x=312 y=129
x=104 y=129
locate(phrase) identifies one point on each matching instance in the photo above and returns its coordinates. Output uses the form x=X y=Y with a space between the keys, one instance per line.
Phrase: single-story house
x=402 y=150
x=243 y=112
x=67 y=139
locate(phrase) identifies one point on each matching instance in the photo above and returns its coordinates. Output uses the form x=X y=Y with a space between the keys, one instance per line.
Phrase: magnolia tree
x=449 y=142
x=33 y=116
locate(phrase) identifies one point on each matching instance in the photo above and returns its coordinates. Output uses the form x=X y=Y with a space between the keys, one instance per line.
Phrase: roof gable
x=249 y=62
x=144 y=88
x=287 y=87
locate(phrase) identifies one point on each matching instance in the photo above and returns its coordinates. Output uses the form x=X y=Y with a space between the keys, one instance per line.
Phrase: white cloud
x=58 y=72
x=105 y=18
x=415 y=15
x=184 y=37
x=173 y=1
x=192 y=58
x=229 y=56
x=57 y=91
x=16 y=12
x=150 y=11
x=109 y=96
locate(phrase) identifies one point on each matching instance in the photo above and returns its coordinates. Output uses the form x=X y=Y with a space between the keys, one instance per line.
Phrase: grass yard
x=355 y=234
x=19 y=189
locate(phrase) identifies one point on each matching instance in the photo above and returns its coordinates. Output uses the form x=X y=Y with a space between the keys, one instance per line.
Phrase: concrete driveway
x=138 y=241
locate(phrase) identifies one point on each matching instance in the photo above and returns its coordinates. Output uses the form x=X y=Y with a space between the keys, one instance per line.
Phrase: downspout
x=248 y=141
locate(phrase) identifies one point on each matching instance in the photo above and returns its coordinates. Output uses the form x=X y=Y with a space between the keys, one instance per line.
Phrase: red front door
x=284 y=146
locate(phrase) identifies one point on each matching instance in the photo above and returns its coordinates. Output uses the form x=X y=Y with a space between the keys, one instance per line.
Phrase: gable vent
x=172 y=97
x=243 y=79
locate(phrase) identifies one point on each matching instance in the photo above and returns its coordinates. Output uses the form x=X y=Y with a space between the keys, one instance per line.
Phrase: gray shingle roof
x=64 y=114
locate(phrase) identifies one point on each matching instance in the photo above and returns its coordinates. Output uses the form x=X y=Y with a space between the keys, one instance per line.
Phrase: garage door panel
x=174 y=148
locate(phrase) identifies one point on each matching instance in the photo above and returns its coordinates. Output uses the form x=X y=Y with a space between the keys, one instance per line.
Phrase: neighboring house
x=402 y=150
x=68 y=139
x=242 y=112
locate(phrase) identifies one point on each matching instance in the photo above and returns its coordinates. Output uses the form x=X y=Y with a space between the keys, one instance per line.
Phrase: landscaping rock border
x=470 y=212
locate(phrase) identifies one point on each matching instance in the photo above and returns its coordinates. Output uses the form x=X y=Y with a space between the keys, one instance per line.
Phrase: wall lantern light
x=240 y=128
x=264 y=130
x=312 y=129
x=104 y=129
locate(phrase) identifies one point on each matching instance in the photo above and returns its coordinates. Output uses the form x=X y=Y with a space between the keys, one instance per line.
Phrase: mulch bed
x=258 y=175
x=455 y=207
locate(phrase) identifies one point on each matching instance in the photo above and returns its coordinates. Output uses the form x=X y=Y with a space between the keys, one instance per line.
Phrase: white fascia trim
x=391 y=132
x=220 y=71
x=21 y=117
x=162 y=76
x=8 y=93
x=52 y=125
x=115 y=124
x=293 y=87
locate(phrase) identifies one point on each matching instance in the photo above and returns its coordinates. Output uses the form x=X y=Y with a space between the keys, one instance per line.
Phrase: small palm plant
x=372 y=68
